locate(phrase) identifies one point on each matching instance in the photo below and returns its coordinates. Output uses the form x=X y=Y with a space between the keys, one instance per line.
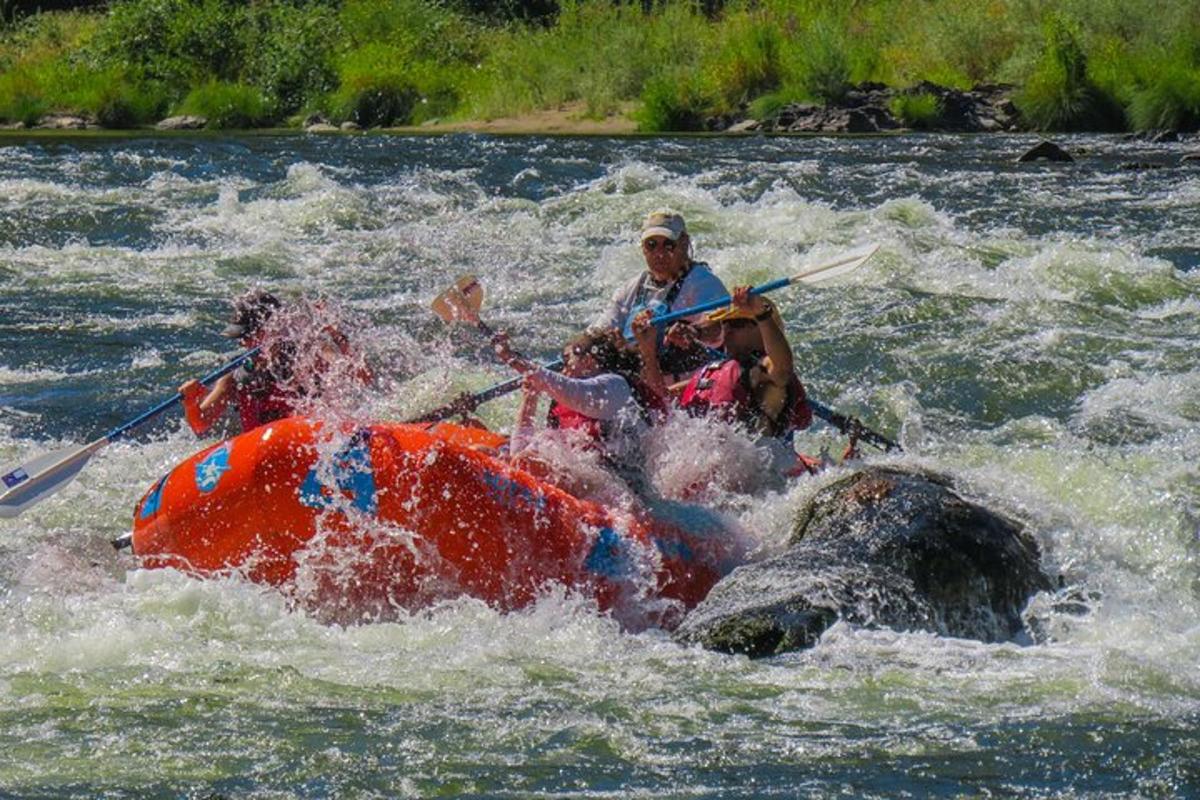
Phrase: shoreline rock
x=867 y=108
x=181 y=123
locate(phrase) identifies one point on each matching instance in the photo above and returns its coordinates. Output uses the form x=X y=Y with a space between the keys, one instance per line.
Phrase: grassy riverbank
x=1076 y=64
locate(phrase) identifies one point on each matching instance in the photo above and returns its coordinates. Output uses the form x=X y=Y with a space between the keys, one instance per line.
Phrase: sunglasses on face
x=653 y=244
x=740 y=322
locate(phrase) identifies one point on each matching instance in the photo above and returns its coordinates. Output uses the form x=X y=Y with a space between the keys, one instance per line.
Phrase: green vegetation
x=1076 y=64
x=919 y=111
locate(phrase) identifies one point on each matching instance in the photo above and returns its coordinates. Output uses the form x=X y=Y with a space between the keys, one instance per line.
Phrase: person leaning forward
x=296 y=362
x=672 y=280
x=754 y=382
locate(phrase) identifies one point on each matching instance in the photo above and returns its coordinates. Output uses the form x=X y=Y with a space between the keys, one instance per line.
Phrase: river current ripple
x=1028 y=329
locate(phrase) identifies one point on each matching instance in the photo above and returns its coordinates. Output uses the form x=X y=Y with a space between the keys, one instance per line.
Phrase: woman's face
x=578 y=362
x=665 y=259
x=740 y=337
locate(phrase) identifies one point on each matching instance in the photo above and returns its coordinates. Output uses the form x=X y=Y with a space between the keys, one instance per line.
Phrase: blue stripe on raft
x=154 y=499
x=352 y=473
x=608 y=556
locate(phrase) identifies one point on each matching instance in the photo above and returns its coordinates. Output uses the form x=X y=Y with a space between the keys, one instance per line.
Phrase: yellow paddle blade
x=460 y=302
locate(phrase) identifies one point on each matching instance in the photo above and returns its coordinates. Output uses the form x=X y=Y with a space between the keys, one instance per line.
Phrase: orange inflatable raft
x=397 y=516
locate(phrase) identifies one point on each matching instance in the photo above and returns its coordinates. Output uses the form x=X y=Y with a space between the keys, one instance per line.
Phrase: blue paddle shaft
x=121 y=430
x=720 y=302
x=512 y=384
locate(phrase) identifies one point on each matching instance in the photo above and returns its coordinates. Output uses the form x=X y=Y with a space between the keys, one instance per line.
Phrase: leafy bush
x=227 y=105
x=179 y=42
x=1059 y=95
x=671 y=103
x=920 y=110
x=291 y=53
x=124 y=105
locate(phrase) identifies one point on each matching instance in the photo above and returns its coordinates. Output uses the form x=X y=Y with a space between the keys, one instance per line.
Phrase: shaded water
x=1029 y=330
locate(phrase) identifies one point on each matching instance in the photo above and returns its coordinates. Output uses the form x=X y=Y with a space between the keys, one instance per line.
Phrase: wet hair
x=251 y=312
x=610 y=350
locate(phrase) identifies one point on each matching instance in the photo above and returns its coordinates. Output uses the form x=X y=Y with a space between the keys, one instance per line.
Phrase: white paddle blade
x=843 y=264
x=461 y=301
x=38 y=478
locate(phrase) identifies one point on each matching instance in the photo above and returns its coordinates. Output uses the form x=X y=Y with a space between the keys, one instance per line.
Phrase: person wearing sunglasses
x=672 y=280
x=599 y=395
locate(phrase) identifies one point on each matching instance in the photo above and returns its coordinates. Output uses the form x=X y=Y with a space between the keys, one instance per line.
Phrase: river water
x=1029 y=330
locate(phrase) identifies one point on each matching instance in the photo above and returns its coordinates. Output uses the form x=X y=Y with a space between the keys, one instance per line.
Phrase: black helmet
x=250 y=312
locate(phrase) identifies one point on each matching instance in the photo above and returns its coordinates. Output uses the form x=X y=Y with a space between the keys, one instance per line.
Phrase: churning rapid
x=1030 y=330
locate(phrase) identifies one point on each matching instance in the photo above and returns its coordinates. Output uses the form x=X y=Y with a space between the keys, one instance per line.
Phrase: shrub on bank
x=824 y=63
x=228 y=105
x=1060 y=95
x=597 y=53
x=1170 y=100
x=672 y=103
x=919 y=111
x=748 y=59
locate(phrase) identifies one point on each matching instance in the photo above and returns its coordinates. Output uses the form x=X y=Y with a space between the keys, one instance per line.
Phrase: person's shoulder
x=634 y=281
x=701 y=272
x=702 y=277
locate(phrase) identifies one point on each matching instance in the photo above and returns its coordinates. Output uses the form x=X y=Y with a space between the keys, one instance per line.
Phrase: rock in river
x=883 y=547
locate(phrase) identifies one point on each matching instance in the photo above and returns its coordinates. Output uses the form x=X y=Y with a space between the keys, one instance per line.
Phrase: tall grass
x=919 y=111
x=1060 y=94
x=228 y=105
x=1077 y=64
x=598 y=54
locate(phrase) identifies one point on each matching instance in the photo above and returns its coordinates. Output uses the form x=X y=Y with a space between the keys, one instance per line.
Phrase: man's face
x=665 y=259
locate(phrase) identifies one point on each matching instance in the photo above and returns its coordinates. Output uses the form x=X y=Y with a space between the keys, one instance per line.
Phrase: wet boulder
x=1045 y=150
x=883 y=547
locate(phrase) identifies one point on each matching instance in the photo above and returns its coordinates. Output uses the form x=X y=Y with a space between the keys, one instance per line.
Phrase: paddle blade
x=847 y=262
x=38 y=478
x=461 y=302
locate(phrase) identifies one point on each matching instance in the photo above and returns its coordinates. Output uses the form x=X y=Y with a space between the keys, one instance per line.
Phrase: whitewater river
x=1030 y=330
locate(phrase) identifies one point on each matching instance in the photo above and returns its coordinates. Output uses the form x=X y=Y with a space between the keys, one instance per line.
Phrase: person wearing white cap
x=672 y=280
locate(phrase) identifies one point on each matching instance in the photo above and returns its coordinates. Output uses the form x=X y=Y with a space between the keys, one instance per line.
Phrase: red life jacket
x=653 y=408
x=261 y=391
x=568 y=419
x=724 y=387
x=259 y=408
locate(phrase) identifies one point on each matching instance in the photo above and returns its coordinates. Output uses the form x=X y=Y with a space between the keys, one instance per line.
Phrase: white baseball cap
x=664 y=222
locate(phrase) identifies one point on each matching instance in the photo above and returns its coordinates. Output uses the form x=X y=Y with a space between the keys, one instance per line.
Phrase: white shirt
x=700 y=285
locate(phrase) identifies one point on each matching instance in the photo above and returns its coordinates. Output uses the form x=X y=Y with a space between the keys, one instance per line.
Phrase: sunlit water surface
x=1030 y=330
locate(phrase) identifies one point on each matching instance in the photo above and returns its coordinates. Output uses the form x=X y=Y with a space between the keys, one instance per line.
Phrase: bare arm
x=647 y=342
x=779 y=361
x=201 y=413
x=523 y=430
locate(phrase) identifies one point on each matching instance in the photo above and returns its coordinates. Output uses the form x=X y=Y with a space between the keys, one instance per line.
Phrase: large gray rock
x=65 y=122
x=883 y=547
x=867 y=108
x=182 y=123
x=1045 y=150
